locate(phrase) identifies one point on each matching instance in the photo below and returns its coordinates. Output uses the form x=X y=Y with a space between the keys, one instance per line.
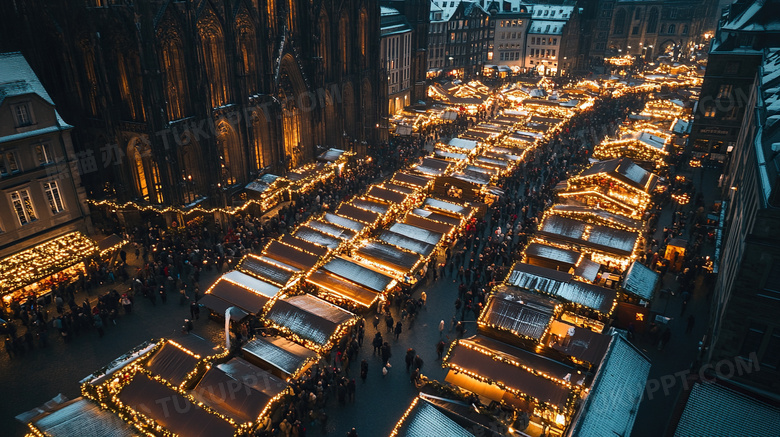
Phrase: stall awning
x=304 y=245
x=519 y=313
x=389 y=256
x=587 y=270
x=403 y=189
x=314 y=236
x=514 y=377
x=238 y=390
x=353 y=271
x=243 y=291
x=549 y=256
x=111 y=242
x=261 y=269
x=30 y=266
x=404 y=242
x=80 y=417
x=462 y=143
x=339 y=232
x=640 y=281
x=290 y=255
x=344 y=222
x=279 y=353
x=178 y=357
x=411 y=180
x=598 y=237
x=342 y=287
x=438 y=216
x=331 y=155
x=450 y=207
x=561 y=284
x=416 y=233
x=425 y=223
x=585 y=345
x=372 y=205
x=143 y=395
x=309 y=317
x=354 y=213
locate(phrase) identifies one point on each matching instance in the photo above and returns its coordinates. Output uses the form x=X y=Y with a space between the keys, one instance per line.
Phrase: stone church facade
x=176 y=101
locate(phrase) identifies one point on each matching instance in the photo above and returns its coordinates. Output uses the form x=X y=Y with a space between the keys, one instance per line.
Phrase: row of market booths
x=552 y=338
x=183 y=386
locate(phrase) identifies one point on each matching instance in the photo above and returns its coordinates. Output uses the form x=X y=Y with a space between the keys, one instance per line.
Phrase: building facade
x=197 y=98
x=746 y=297
x=41 y=196
x=507 y=39
x=396 y=51
x=417 y=15
x=735 y=53
x=465 y=33
x=647 y=28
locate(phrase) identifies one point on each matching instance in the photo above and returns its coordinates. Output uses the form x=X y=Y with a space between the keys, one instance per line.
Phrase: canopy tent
x=80 y=417
x=261 y=269
x=290 y=255
x=317 y=237
x=416 y=233
x=384 y=195
x=595 y=216
x=111 y=242
x=404 y=242
x=279 y=356
x=310 y=319
x=238 y=390
x=239 y=290
x=143 y=395
x=178 y=357
x=624 y=170
x=562 y=285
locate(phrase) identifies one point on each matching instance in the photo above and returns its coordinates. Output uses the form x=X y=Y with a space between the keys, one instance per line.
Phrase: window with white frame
x=44 y=154
x=9 y=163
x=23 y=206
x=22 y=114
x=52 y=191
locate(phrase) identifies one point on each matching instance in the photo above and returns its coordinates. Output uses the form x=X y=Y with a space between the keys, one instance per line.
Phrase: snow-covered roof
x=427 y=420
x=640 y=280
x=613 y=402
x=552 y=12
x=81 y=417
x=447 y=7
x=758 y=17
x=704 y=413
x=18 y=78
x=386 y=11
x=546 y=27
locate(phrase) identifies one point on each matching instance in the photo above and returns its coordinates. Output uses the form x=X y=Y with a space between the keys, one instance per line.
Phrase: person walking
x=194 y=310
x=441 y=328
x=423 y=298
x=409 y=358
x=377 y=342
x=386 y=353
x=440 y=349
x=398 y=329
x=363 y=370
x=418 y=362
x=389 y=323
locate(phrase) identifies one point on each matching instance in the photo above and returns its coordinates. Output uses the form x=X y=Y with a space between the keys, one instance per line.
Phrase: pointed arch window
x=176 y=91
x=139 y=175
x=247 y=51
x=652 y=21
x=213 y=51
x=324 y=41
x=291 y=125
x=344 y=42
x=292 y=14
x=363 y=38
x=89 y=66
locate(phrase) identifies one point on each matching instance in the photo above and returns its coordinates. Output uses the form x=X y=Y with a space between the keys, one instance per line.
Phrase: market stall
x=34 y=272
x=310 y=321
x=396 y=262
x=604 y=244
x=268 y=190
x=407 y=243
x=240 y=290
x=239 y=390
x=290 y=256
x=78 y=418
x=563 y=286
x=334 y=231
x=178 y=361
x=640 y=281
x=517 y=317
x=317 y=237
x=281 y=357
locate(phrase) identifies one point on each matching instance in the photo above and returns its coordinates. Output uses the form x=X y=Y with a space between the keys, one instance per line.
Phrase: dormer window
x=22 y=114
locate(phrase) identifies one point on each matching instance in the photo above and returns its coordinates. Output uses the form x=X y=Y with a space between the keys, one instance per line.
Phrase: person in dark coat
x=377 y=342
x=363 y=370
x=386 y=353
x=409 y=358
x=418 y=362
x=398 y=329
